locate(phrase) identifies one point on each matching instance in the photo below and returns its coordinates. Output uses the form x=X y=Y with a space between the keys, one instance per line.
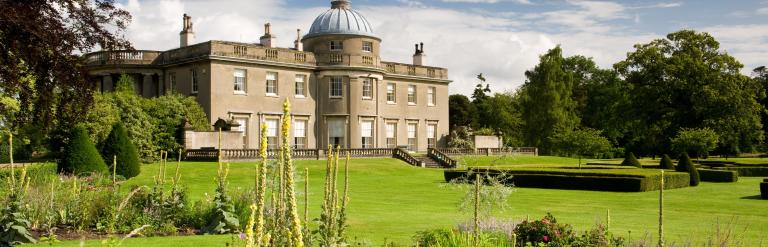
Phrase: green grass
x=391 y=200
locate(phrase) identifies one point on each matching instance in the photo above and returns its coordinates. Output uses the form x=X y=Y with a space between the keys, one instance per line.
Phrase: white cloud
x=762 y=11
x=502 y=47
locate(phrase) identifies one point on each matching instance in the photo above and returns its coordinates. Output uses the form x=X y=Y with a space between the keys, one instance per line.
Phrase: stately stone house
x=340 y=90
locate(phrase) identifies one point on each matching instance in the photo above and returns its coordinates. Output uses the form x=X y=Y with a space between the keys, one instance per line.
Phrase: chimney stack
x=187 y=35
x=297 y=44
x=419 y=58
x=268 y=40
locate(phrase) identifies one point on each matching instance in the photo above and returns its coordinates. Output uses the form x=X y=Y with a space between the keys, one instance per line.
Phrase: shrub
x=710 y=175
x=169 y=113
x=666 y=163
x=81 y=156
x=685 y=164
x=118 y=144
x=630 y=160
x=747 y=171
x=696 y=141
x=545 y=231
x=452 y=237
x=764 y=190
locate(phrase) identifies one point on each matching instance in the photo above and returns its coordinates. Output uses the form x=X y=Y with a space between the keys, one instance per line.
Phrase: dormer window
x=337 y=45
x=367 y=46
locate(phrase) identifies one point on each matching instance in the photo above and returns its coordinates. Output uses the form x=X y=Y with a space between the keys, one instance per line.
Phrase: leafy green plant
x=546 y=230
x=223 y=219
x=14 y=224
x=695 y=141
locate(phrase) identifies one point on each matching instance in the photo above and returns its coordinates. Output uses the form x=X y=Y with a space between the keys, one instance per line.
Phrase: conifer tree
x=81 y=156
x=119 y=144
x=666 y=163
x=630 y=160
x=685 y=164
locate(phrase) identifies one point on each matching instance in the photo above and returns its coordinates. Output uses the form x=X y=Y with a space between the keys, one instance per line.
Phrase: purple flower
x=242 y=235
x=546 y=239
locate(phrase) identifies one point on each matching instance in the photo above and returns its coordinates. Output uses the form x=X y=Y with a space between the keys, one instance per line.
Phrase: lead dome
x=340 y=19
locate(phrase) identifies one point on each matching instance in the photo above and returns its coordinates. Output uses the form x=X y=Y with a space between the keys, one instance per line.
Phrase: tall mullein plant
x=14 y=224
x=292 y=219
x=261 y=188
x=333 y=218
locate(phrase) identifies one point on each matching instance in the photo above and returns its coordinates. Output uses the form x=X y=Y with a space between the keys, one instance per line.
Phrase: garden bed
x=622 y=180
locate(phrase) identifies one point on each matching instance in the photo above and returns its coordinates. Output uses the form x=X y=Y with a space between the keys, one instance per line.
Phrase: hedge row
x=764 y=189
x=710 y=175
x=746 y=171
x=595 y=182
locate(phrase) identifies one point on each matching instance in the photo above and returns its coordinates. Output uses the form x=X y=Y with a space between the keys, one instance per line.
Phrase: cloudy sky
x=499 y=38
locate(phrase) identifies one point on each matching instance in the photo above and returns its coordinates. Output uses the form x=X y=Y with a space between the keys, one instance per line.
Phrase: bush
x=709 y=175
x=595 y=181
x=684 y=164
x=764 y=190
x=747 y=171
x=696 y=141
x=545 y=231
x=666 y=163
x=118 y=144
x=630 y=160
x=81 y=156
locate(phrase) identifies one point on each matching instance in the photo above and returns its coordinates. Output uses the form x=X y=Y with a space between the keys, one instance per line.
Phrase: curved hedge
x=596 y=181
x=746 y=171
x=764 y=190
x=711 y=175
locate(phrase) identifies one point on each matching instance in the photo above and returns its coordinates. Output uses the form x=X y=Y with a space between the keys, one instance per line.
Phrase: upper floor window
x=239 y=81
x=431 y=96
x=411 y=94
x=300 y=88
x=367 y=88
x=337 y=45
x=391 y=93
x=271 y=83
x=337 y=87
x=195 y=82
x=367 y=46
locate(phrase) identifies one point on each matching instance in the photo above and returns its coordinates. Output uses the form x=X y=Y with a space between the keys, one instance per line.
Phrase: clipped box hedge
x=746 y=171
x=712 y=175
x=596 y=181
x=764 y=190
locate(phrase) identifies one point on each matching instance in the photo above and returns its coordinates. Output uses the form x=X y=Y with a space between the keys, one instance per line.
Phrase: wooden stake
x=114 y=170
x=661 y=210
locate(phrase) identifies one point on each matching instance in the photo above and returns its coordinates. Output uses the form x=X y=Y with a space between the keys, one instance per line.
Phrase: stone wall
x=488 y=142
x=210 y=139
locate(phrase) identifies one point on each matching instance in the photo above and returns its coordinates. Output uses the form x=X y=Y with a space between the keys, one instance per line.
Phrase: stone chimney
x=297 y=43
x=268 y=40
x=419 y=58
x=187 y=35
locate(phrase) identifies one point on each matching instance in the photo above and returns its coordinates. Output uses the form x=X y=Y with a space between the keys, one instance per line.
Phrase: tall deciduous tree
x=41 y=40
x=461 y=111
x=685 y=81
x=547 y=106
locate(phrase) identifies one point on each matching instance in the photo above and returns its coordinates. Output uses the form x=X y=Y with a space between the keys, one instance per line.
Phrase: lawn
x=391 y=200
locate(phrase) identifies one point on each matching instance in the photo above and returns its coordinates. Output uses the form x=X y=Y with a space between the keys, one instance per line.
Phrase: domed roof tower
x=340 y=19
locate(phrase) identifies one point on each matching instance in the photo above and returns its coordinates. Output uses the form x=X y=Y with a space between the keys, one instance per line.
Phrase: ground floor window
x=391 y=135
x=272 y=140
x=366 y=132
x=243 y=128
x=299 y=134
x=412 y=136
x=431 y=136
x=336 y=132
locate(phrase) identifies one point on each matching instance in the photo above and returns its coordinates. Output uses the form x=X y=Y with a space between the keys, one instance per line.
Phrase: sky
x=499 y=38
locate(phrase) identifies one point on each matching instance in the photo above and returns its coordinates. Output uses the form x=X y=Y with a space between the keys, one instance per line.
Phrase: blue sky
x=500 y=38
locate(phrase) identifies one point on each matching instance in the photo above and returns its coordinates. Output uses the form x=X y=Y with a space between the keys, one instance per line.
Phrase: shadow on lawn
x=756 y=197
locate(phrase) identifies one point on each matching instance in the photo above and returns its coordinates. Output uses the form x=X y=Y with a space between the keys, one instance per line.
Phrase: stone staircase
x=428 y=161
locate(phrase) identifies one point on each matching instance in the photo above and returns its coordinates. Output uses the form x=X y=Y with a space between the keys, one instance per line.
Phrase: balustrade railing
x=403 y=155
x=253 y=154
x=441 y=158
x=491 y=151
